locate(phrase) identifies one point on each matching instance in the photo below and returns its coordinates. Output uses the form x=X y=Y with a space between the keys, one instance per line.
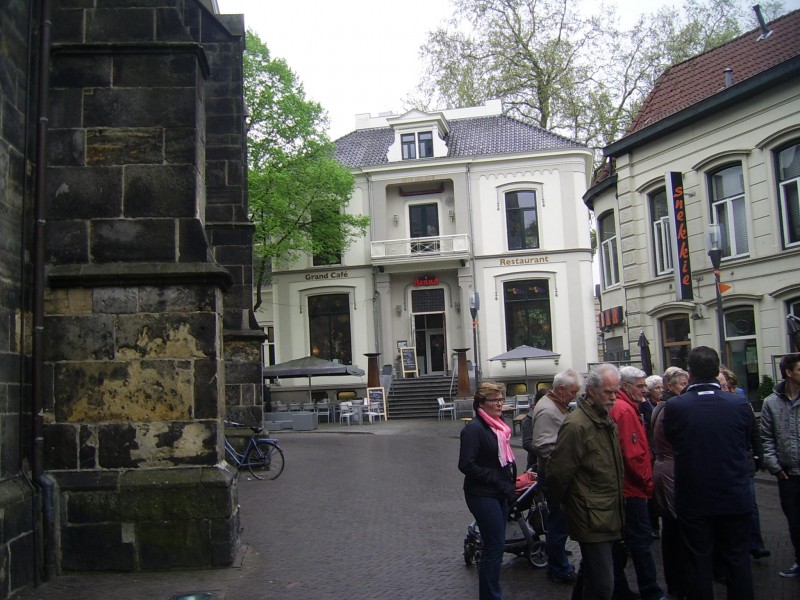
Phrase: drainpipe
x=476 y=350
x=46 y=539
x=376 y=304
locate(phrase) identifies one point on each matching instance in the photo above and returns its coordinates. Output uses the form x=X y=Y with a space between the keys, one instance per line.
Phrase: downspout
x=376 y=305
x=46 y=539
x=474 y=270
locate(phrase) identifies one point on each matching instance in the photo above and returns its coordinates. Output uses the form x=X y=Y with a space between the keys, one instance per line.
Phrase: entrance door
x=429 y=336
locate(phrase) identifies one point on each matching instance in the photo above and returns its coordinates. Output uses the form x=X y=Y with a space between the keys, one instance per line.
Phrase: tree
x=552 y=66
x=298 y=191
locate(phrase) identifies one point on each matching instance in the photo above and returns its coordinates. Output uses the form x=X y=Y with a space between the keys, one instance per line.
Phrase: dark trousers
x=789 y=493
x=596 y=573
x=639 y=540
x=557 y=562
x=673 y=555
x=729 y=535
x=756 y=541
x=491 y=515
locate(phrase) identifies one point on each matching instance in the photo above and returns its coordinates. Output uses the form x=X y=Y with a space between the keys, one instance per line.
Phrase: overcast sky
x=362 y=56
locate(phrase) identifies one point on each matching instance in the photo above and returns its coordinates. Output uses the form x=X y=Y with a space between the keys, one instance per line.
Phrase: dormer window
x=408 y=142
x=411 y=141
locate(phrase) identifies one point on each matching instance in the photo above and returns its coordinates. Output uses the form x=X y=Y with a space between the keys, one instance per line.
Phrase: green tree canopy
x=298 y=191
x=560 y=67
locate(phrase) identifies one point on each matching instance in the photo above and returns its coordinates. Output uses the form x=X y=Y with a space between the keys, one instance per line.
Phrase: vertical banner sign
x=680 y=239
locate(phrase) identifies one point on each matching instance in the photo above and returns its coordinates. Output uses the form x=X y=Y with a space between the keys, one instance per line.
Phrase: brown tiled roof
x=702 y=76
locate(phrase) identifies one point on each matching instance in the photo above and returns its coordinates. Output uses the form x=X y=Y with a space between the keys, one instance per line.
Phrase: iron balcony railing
x=414 y=249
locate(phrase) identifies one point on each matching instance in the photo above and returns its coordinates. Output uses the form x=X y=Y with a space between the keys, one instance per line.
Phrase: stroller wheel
x=469 y=553
x=537 y=555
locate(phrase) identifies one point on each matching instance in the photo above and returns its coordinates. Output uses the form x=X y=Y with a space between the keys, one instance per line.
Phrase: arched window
x=522 y=223
x=527 y=308
x=788 y=175
x=728 y=210
x=675 y=340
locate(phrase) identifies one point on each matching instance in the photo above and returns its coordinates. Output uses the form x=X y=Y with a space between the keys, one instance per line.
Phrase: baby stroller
x=527 y=516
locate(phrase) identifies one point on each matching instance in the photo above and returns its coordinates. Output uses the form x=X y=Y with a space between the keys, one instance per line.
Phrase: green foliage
x=766 y=387
x=581 y=76
x=298 y=191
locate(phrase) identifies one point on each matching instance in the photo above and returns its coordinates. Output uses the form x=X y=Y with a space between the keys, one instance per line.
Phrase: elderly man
x=546 y=419
x=637 y=489
x=710 y=435
x=584 y=473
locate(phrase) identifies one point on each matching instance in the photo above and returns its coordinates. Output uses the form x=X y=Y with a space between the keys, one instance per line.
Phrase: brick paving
x=371 y=512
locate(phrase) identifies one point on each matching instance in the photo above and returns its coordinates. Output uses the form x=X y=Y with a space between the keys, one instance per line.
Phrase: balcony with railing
x=428 y=249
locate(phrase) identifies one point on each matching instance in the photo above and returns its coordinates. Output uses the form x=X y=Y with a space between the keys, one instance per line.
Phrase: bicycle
x=262 y=456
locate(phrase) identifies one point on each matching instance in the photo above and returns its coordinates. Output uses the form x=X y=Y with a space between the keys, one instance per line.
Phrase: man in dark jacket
x=584 y=473
x=710 y=434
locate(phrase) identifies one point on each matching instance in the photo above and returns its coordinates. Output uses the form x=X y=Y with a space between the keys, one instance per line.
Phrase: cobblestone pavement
x=372 y=512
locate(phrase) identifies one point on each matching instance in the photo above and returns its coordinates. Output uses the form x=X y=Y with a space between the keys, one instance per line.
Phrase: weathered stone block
x=242 y=371
x=80 y=71
x=206 y=389
x=124 y=146
x=115 y=300
x=117 y=443
x=156 y=70
x=181 y=299
x=122 y=24
x=93 y=507
x=160 y=191
x=180 y=145
x=122 y=391
x=65 y=108
x=133 y=240
x=66 y=147
x=167 y=336
x=79 y=338
x=84 y=192
x=192 y=243
x=141 y=107
x=224 y=535
x=70 y=25
x=67 y=242
x=173 y=544
x=96 y=547
x=69 y=301
x=60 y=447
x=20 y=567
x=87 y=448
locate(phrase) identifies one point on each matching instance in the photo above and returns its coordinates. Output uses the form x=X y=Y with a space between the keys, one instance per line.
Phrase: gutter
x=785 y=72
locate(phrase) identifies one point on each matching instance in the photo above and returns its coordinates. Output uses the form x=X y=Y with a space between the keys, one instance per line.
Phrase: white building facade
x=464 y=204
x=726 y=125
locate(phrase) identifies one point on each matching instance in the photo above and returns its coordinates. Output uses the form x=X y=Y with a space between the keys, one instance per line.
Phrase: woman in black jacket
x=487 y=461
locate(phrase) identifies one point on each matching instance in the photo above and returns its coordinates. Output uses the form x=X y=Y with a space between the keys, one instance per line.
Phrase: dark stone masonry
x=149 y=339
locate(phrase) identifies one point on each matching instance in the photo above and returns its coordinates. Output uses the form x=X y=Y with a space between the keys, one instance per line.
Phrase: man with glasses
x=637 y=490
x=584 y=473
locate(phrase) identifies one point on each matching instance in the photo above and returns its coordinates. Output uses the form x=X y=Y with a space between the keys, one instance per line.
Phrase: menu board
x=408 y=360
x=377 y=394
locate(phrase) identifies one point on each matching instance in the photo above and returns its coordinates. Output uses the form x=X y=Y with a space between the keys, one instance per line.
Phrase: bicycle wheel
x=264 y=460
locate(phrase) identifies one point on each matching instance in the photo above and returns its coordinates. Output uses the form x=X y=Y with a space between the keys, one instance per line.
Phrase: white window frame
x=609 y=257
x=662 y=237
x=783 y=186
x=731 y=206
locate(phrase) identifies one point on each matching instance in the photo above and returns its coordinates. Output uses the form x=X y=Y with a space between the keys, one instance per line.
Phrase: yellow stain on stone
x=71 y=302
x=154 y=452
x=179 y=343
x=146 y=394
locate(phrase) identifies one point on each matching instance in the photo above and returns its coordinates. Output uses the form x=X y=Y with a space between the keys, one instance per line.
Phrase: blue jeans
x=558 y=564
x=789 y=493
x=639 y=540
x=491 y=515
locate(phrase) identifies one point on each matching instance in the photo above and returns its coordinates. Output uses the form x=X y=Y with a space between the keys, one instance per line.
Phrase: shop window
x=663 y=236
x=607 y=231
x=741 y=351
x=527 y=310
x=522 y=225
x=788 y=167
x=728 y=209
x=329 y=327
x=614 y=350
x=675 y=339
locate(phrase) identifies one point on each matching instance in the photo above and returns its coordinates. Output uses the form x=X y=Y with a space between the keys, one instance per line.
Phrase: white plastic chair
x=374 y=411
x=446 y=407
x=324 y=410
x=346 y=411
x=523 y=404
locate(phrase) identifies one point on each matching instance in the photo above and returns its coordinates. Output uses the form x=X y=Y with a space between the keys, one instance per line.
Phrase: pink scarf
x=503 y=432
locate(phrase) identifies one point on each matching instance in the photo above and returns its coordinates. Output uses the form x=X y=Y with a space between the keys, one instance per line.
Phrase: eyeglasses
x=495 y=400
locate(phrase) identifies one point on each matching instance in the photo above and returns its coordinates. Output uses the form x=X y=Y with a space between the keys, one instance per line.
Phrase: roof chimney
x=765 y=31
x=728 y=77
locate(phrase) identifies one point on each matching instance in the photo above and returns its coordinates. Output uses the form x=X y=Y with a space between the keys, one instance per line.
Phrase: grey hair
x=672 y=373
x=597 y=374
x=652 y=381
x=566 y=378
x=629 y=374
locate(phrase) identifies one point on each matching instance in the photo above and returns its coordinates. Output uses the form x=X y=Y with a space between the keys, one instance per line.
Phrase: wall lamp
x=398 y=309
x=502 y=362
x=395 y=219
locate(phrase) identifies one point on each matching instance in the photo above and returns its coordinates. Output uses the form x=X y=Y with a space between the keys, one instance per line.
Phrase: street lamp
x=715 y=254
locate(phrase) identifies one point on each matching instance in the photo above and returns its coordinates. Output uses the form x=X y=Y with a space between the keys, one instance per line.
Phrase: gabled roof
x=701 y=79
x=479 y=136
